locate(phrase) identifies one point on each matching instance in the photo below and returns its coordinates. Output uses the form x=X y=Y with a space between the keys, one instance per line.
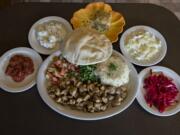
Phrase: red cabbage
x=161 y=92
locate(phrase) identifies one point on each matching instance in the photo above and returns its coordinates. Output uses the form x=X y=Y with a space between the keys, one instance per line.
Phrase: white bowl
x=155 y=59
x=32 y=34
x=140 y=96
x=6 y=82
x=66 y=111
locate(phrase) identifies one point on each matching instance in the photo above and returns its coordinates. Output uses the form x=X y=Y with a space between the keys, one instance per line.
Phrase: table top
x=26 y=113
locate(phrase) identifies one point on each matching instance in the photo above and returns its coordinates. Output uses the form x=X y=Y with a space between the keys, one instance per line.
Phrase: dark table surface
x=25 y=113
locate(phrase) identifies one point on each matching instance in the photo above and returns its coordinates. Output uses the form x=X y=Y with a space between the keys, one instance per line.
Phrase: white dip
x=142 y=45
x=50 y=34
x=113 y=71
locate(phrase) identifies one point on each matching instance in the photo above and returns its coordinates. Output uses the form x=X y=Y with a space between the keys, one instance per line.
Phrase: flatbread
x=86 y=46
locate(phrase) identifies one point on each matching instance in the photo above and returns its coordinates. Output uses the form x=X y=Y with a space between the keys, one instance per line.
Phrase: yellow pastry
x=101 y=17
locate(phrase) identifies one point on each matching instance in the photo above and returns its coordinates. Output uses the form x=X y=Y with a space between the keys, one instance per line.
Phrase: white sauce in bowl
x=142 y=45
x=50 y=34
x=113 y=71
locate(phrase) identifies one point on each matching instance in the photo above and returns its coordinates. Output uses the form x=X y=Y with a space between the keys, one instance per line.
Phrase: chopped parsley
x=112 y=67
x=72 y=74
x=87 y=73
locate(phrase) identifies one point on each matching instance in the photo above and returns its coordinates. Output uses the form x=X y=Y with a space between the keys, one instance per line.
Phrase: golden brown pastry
x=100 y=16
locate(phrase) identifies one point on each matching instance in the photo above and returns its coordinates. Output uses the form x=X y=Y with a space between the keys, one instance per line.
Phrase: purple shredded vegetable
x=161 y=92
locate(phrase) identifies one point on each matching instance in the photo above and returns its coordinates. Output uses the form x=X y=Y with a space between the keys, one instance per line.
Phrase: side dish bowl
x=32 y=37
x=141 y=91
x=156 y=58
x=6 y=81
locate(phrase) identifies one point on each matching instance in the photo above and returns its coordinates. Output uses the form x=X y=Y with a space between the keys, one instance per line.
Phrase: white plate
x=6 y=82
x=41 y=81
x=157 y=58
x=32 y=34
x=140 y=96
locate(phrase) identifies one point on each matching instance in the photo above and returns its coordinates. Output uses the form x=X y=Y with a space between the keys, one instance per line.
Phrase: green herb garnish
x=112 y=67
x=55 y=58
x=87 y=73
x=72 y=74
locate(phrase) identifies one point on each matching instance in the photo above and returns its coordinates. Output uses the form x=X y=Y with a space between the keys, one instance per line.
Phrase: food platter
x=84 y=77
x=41 y=80
x=168 y=61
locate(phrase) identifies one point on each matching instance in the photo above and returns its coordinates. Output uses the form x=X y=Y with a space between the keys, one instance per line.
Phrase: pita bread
x=86 y=46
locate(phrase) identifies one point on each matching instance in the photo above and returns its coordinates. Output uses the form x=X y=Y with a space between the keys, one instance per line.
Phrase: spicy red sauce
x=19 y=67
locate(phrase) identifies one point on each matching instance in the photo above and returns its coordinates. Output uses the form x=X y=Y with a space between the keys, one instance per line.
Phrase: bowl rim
x=125 y=53
x=54 y=107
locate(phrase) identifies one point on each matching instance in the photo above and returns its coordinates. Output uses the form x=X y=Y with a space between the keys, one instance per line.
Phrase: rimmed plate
x=154 y=60
x=66 y=111
x=32 y=34
x=140 y=96
x=6 y=82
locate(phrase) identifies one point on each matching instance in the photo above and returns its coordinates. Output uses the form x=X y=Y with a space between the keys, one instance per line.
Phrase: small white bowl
x=32 y=34
x=66 y=111
x=141 y=91
x=6 y=81
x=155 y=59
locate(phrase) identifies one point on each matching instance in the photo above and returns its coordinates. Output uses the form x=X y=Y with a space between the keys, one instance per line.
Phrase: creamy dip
x=113 y=71
x=142 y=45
x=50 y=34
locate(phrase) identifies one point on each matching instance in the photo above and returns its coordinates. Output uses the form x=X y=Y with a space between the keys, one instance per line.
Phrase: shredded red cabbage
x=160 y=91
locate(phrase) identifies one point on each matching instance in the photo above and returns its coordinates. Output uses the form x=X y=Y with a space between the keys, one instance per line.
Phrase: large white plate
x=155 y=59
x=41 y=84
x=32 y=34
x=6 y=82
x=140 y=96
